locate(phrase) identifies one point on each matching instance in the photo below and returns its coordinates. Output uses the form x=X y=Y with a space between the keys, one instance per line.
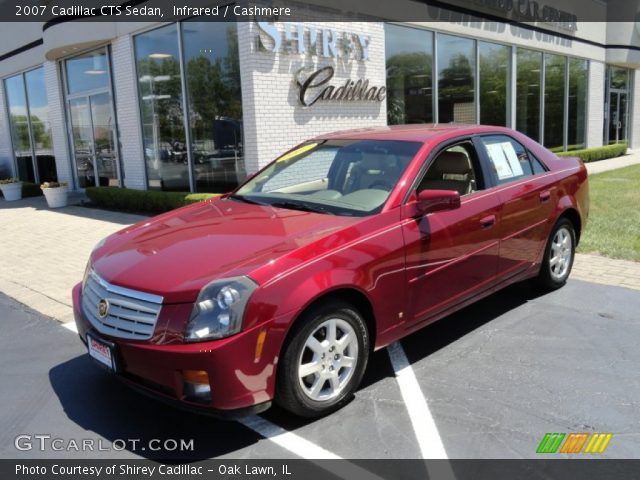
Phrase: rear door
x=526 y=192
x=451 y=255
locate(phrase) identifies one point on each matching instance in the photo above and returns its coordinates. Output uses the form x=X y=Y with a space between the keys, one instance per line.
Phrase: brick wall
x=6 y=156
x=274 y=120
x=634 y=111
x=58 y=123
x=128 y=113
x=595 y=104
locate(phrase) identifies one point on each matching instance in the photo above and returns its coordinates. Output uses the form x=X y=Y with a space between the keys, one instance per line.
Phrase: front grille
x=130 y=314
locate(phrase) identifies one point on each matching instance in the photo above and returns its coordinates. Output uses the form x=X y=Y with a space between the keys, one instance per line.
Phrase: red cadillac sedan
x=280 y=290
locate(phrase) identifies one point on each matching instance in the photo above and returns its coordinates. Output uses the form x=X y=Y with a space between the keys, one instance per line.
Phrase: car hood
x=176 y=254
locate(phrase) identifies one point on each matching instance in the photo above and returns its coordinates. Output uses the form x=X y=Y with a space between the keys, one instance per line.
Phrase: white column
x=248 y=74
x=57 y=120
x=128 y=113
x=6 y=155
x=634 y=111
x=595 y=104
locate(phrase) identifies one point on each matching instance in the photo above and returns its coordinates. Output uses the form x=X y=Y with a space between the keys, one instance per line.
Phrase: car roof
x=412 y=133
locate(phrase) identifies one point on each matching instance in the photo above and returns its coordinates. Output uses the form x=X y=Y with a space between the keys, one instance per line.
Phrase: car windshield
x=339 y=177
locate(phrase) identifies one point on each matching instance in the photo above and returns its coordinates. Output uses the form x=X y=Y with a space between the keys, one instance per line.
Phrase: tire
x=332 y=380
x=559 y=255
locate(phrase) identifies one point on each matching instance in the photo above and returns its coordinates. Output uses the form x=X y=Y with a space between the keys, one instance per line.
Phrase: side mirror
x=430 y=201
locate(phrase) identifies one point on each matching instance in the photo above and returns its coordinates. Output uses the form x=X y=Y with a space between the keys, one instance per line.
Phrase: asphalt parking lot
x=496 y=377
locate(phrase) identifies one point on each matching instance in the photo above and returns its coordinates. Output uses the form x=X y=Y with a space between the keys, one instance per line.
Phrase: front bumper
x=241 y=374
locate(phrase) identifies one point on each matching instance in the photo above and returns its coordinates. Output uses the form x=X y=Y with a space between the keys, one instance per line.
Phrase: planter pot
x=56 y=197
x=12 y=191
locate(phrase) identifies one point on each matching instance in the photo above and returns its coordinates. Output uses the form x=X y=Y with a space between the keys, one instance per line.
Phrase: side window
x=510 y=161
x=453 y=169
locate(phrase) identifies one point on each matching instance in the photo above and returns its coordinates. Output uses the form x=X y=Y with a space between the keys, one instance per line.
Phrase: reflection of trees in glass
x=161 y=94
x=619 y=78
x=455 y=87
x=529 y=64
x=554 y=84
x=409 y=95
x=494 y=63
x=409 y=68
x=20 y=132
x=214 y=86
x=577 y=103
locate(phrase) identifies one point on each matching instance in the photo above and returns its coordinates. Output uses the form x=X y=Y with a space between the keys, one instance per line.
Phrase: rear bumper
x=241 y=375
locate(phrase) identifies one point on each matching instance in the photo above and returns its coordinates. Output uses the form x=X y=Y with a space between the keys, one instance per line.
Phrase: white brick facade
x=274 y=120
x=59 y=130
x=595 y=104
x=128 y=113
x=634 y=111
x=6 y=155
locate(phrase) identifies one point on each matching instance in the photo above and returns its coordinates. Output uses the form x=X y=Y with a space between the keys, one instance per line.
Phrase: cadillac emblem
x=103 y=308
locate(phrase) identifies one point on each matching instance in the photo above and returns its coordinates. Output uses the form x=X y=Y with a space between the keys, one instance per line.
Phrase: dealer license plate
x=101 y=352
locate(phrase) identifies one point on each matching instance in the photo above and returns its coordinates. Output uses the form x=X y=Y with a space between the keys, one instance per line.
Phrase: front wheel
x=324 y=360
x=558 y=255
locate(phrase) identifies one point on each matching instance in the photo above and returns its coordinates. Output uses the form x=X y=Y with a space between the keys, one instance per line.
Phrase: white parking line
x=307 y=450
x=288 y=440
x=71 y=326
x=424 y=427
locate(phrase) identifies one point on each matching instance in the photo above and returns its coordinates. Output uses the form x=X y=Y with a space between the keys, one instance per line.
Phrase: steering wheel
x=382 y=185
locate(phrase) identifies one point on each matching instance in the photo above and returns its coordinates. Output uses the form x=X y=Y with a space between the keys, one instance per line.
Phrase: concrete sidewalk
x=631 y=158
x=44 y=252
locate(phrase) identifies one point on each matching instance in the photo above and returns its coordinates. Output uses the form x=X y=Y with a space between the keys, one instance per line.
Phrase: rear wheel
x=558 y=256
x=324 y=360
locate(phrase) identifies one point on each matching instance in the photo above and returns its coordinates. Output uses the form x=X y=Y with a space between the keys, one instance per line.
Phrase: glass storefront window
x=409 y=64
x=29 y=125
x=88 y=71
x=40 y=127
x=215 y=104
x=160 y=91
x=528 y=78
x=577 y=121
x=456 y=85
x=554 y=89
x=494 y=83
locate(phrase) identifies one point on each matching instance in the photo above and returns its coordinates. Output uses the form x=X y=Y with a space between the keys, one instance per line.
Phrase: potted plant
x=11 y=189
x=55 y=193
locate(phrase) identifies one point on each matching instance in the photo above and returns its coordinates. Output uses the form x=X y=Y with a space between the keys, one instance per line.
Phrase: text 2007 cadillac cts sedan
x=281 y=289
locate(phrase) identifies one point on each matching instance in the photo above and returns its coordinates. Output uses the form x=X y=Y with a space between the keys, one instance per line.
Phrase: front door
x=93 y=140
x=452 y=255
x=92 y=119
x=618 y=113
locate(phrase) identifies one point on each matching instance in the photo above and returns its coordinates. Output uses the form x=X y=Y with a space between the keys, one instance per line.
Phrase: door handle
x=488 y=221
x=545 y=196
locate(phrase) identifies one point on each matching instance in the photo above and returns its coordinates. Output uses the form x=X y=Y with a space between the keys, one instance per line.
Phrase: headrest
x=452 y=162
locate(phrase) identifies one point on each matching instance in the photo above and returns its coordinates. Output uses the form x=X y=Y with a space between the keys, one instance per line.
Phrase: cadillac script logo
x=103 y=308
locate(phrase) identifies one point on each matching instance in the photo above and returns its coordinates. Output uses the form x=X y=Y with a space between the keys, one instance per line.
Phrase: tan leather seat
x=450 y=171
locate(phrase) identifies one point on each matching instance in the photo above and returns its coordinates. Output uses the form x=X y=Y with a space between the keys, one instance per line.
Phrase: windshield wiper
x=245 y=199
x=305 y=207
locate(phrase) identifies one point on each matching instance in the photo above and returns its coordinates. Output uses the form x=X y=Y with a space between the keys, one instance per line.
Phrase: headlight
x=219 y=309
x=87 y=271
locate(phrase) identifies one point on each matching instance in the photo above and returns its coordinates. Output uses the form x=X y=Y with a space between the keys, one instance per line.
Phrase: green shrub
x=125 y=199
x=30 y=190
x=597 y=153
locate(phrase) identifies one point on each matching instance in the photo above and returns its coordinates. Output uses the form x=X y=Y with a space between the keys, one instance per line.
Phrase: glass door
x=618 y=113
x=92 y=119
x=82 y=141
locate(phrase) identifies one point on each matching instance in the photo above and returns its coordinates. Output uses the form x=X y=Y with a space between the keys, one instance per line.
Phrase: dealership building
x=195 y=105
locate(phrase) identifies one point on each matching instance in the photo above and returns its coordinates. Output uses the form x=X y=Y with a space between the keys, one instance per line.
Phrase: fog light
x=196 y=385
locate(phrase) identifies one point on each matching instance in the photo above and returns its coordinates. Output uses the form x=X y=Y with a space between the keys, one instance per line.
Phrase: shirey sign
x=315 y=84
